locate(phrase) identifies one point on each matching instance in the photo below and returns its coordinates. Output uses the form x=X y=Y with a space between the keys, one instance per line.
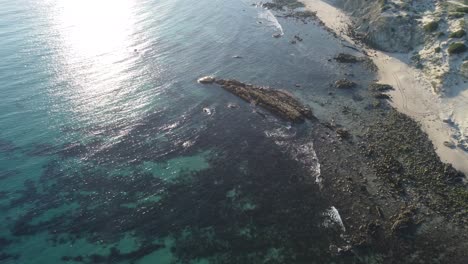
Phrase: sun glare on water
x=93 y=27
x=94 y=51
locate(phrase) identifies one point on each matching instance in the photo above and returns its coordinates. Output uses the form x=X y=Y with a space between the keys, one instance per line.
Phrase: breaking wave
x=269 y=19
x=333 y=218
x=302 y=152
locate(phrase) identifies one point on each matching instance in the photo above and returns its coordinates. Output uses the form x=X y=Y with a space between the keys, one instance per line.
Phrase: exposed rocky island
x=278 y=102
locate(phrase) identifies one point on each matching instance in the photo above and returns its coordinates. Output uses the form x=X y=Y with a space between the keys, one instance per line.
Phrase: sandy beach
x=441 y=117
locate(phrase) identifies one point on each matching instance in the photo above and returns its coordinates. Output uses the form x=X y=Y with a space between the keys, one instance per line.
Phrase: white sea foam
x=208 y=111
x=333 y=218
x=188 y=143
x=281 y=133
x=267 y=17
x=304 y=153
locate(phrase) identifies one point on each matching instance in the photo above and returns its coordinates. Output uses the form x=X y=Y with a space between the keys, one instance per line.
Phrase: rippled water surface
x=108 y=156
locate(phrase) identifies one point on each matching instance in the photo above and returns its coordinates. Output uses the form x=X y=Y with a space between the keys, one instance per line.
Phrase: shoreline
x=413 y=94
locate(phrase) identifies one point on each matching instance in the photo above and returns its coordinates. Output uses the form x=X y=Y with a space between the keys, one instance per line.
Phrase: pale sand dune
x=413 y=94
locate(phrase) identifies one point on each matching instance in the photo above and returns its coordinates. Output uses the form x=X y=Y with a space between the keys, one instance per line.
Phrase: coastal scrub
x=456 y=48
x=462 y=10
x=457 y=34
x=431 y=26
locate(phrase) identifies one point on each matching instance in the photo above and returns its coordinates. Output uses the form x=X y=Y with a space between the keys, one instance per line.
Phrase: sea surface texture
x=111 y=152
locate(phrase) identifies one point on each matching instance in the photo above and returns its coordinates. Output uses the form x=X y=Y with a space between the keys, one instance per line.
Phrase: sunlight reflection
x=94 y=27
x=95 y=56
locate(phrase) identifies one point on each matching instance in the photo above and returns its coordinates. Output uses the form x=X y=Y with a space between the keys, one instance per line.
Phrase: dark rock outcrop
x=346 y=58
x=404 y=224
x=380 y=87
x=276 y=101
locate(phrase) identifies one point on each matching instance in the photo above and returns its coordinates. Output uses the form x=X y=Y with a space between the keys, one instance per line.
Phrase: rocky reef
x=278 y=102
x=395 y=195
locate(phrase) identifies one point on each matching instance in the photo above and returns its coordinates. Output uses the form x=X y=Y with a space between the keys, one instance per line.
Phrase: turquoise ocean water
x=111 y=152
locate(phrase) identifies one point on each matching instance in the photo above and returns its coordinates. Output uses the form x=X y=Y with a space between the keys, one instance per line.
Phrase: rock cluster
x=348 y=58
x=380 y=87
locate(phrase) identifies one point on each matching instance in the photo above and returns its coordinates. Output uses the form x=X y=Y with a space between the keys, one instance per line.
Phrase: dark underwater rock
x=281 y=4
x=345 y=84
x=277 y=35
x=5 y=257
x=404 y=224
x=277 y=102
x=380 y=87
x=346 y=58
x=7 y=146
x=8 y=173
x=382 y=96
x=343 y=133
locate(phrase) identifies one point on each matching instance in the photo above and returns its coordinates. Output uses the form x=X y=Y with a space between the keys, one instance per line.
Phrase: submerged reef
x=7 y=146
x=257 y=200
x=250 y=203
x=345 y=84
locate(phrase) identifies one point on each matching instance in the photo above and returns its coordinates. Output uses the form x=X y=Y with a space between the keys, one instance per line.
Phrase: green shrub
x=457 y=34
x=431 y=26
x=457 y=47
x=456 y=15
x=462 y=9
x=438 y=49
x=416 y=59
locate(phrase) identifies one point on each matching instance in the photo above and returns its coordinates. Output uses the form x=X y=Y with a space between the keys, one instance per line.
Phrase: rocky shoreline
x=399 y=202
x=395 y=195
x=397 y=199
